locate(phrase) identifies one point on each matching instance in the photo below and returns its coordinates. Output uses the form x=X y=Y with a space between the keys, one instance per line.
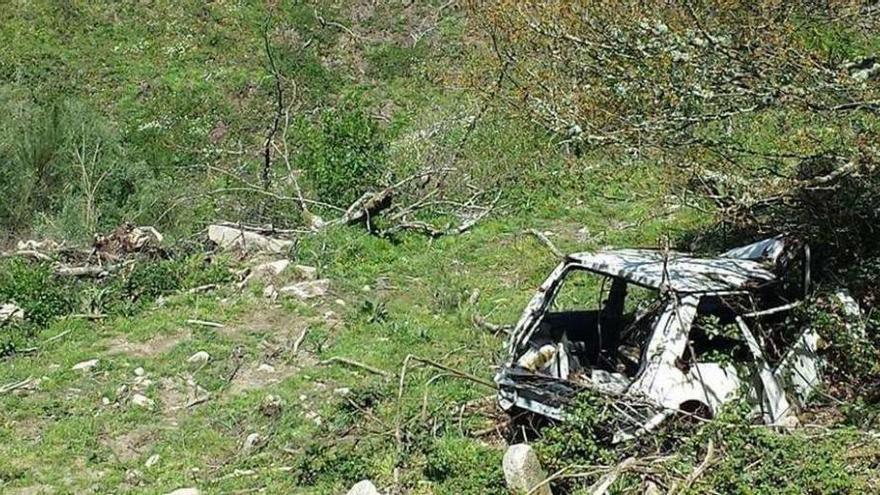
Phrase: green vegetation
x=158 y=114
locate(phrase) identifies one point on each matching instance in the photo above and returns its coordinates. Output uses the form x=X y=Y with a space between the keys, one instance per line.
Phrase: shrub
x=345 y=156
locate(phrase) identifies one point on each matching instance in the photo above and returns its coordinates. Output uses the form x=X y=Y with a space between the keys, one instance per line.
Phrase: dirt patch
x=30 y=429
x=154 y=346
x=176 y=394
x=130 y=445
x=272 y=319
x=261 y=374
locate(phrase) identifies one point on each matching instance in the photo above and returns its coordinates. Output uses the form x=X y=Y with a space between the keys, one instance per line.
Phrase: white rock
x=139 y=371
x=85 y=365
x=152 y=460
x=199 y=358
x=105 y=401
x=250 y=442
x=365 y=487
x=231 y=237
x=523 y=471
x=185 y=491
x=10 y=311
x=307 y=272
x=269 y=270
x=270 y=292
x=306 y=290
x=142 y=401
x=343 y=391
x=266 y=368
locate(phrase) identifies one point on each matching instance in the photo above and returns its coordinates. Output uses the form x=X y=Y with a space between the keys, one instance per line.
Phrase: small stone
x=270 y=292
x=105 y=401
x=315 y=417
x=306 y=290
x=523 y=471
x=142 y=401
x=342 y=391
x=85 y=365
x=152 y=460
x=139 y=371
x=339 y=302
x=185 y=491
x=366 y=288
x=306 y=272
x=10 y=311
x=266 y=368
x=200 y=357
x=269 y=270
x=252 y=441
x=364 y=487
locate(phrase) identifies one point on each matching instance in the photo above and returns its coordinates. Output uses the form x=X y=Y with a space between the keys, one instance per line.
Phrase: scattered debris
x=237 y=238
x=678 y=341
x=85 y=365
x=364 y=487
x=127 y=239
x=306 y=290
x=10 y=312
x=523 y=472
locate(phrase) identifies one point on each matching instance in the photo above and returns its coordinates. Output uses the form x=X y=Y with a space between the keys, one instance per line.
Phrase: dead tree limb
x=547 y=242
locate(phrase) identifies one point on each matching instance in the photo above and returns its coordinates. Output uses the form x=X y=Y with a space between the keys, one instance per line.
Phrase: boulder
x=234 y=238
x=306 y=290
x=364 y=487
x=522 y=470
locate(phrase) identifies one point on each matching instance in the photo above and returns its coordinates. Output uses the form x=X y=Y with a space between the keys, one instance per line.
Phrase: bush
x=345 y=156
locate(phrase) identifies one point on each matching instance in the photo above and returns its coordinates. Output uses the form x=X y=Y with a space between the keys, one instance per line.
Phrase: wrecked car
x=666 y=332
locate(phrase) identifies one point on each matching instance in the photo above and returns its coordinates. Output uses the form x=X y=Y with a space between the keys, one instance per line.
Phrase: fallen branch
x=299 y=340
x=698 y=472
x=204 y=323
x=495 y=328
x=356 y=364
x=9 y=387
x=547 y=242
x=601 y=486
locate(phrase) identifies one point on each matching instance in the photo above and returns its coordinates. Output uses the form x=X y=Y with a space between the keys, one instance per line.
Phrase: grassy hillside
x=157 y=113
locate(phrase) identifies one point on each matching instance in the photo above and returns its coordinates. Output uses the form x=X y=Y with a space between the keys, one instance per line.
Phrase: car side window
x=714 y=335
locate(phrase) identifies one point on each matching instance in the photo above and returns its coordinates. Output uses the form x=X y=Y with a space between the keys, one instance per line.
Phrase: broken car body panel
x=659 y=354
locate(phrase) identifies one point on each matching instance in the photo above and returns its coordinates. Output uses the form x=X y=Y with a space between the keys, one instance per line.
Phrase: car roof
x=679 y=272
